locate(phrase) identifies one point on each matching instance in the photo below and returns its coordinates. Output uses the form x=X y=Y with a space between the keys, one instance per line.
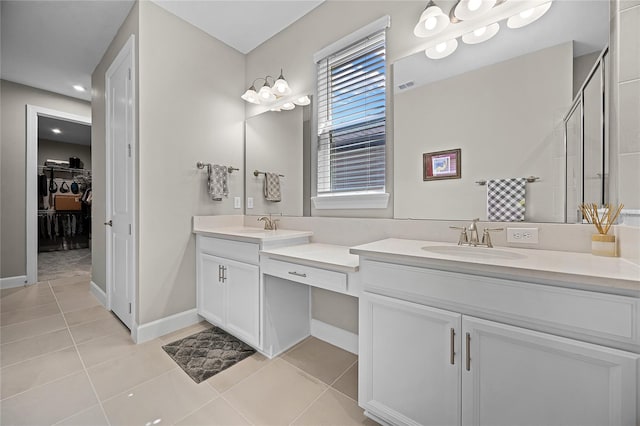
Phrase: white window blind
x=351 y=119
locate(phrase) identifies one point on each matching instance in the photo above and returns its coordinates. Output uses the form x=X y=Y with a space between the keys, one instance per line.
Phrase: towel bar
x=201 y=165
x=258 y=172
x=529 y=179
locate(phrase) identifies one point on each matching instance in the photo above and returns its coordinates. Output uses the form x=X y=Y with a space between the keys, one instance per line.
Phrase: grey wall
x=48 y=149
x=98 y=153
x=581 y=67
x=507 y=120
x=13 y=100
x=190 y=110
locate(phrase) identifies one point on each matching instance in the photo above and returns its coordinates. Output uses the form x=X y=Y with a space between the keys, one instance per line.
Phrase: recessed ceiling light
x=56 y=131
x=79 y=88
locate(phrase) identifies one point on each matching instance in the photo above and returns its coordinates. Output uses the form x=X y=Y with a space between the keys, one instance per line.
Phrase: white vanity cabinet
x=228 y=288
x=445 y=348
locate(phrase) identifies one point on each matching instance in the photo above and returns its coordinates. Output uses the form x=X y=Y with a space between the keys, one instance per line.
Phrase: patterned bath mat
x=207 y=353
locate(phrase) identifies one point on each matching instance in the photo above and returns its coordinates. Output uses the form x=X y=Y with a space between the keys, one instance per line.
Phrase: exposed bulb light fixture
x=528 y=16
x=470 y=9
x=288 y=106
x=266 y=94
x=431 y=22
x=79 y=88
x=56 y=131
x=442 y=50
x=481 y=34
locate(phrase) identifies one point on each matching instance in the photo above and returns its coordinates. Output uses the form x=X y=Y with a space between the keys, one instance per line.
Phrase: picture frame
x=442 y=165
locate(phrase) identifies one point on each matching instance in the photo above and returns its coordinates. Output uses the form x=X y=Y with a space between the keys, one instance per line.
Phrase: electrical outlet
x=522 y=235
x=236 y=203
x=249 y=202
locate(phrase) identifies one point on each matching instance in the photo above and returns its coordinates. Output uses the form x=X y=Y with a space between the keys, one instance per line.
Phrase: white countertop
x=578 y=270
x=248 y=234
x=326 y=256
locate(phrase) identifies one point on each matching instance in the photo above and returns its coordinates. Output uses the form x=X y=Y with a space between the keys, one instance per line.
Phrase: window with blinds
x=351 y=119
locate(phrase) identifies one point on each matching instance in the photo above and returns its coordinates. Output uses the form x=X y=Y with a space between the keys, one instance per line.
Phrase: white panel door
x=242 y=283
x=516 y=376
x=211 y=288
x=120 y=184
x=409 y=362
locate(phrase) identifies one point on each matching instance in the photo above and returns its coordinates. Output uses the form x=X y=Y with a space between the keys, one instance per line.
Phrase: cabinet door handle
x=453 y=347
x=468 y=352
x=219 y=273
x=298 y=274
x=224 y=274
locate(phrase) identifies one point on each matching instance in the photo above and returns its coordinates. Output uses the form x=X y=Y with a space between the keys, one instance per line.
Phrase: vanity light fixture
x=268 y=92
x=473 y=14
x=528 y=16
x=470 y=9
x=432 y=21
x=302 y=100
x=481 y=34
x=288 y=106
x=442 y=50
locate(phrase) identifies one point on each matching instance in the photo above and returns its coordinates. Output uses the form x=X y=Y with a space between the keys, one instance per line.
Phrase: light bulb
x=474 y=5
x=56 y=131
x=479 y=31
x=431 y=23
x=288 y=106
x=441 y=47
x=526 y=13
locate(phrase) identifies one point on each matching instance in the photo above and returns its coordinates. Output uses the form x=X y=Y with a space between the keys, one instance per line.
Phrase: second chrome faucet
x=469 y=235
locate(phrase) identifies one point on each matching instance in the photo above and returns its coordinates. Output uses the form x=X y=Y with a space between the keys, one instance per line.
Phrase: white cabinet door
x=241 y=281
x=409 y=362
x=522 y=377
x=211 y=298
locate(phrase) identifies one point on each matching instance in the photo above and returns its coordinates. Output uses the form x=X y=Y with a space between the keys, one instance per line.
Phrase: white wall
x=190 y=111
x=273 y=143
x=13 y=112
x=510 y=110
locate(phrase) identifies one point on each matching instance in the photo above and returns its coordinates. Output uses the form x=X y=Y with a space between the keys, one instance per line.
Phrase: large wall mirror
x=278 y=142
x=503 y=103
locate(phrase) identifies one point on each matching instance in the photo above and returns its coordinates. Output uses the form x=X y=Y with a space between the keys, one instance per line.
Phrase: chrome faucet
x=269 y=223
x=469 y=235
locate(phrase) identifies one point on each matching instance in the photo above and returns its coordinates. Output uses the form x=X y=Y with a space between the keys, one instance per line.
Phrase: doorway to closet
x=61 y=231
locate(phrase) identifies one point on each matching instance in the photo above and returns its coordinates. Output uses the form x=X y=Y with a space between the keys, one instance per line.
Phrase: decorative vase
x=603 y=245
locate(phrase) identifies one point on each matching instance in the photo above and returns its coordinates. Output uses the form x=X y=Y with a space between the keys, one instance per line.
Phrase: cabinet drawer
x=243 y=252
x=588 y=314
x=315 y=277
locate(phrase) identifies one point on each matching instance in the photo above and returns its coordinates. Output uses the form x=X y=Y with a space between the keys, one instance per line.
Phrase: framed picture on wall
x=441 y=165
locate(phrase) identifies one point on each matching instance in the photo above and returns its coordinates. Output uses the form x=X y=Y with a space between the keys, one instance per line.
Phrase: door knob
x=110 y=223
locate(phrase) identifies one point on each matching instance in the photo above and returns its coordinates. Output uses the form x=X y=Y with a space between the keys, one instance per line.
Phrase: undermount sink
x=474 y=252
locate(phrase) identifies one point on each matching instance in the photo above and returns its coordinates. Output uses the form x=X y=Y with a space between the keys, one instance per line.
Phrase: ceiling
x=53 y=44
x=70 y=132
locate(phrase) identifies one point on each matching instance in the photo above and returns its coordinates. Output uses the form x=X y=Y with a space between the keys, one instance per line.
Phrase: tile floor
x=53 y=265
x=65 y=360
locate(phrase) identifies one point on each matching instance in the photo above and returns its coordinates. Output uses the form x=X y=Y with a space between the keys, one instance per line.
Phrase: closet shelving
x=64 y=229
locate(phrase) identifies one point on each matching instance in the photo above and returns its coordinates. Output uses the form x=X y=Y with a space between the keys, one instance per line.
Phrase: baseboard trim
x=149 y=331
x=98 y=293
x=12 y=282
x=336 y=336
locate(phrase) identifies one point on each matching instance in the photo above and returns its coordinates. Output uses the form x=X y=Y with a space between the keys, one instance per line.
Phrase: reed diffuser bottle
x=602 y=244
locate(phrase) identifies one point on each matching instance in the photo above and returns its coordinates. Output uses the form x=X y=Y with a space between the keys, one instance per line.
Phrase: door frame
x=127 y=49
x=33 y=112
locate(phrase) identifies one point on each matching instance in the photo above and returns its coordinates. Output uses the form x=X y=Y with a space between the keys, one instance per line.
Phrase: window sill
x=351 y=201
